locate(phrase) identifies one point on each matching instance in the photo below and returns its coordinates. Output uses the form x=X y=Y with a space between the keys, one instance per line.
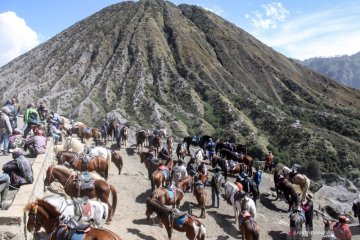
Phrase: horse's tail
x=106 y=211
x=202 y=232
x=114 y=199
x=108 y=161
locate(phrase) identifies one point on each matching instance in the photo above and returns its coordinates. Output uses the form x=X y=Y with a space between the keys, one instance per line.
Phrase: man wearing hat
x=5 y=129
x=216 y=186
x=309 y=212
x=341 y=230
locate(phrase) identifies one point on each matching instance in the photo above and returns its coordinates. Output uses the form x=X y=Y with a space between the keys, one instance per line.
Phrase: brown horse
x=155 y=142
x=76 y=161
x=117 y=160
x=186 y=184
x=101 y=189
x=140 y=139
x=181 y=151
x=163 y=173
x=164 y=196
x=283 y=185
x=200 y=193
x=249 y=228
x=87 y=133
x=170 y=145
x=125 y=134
x=193 y=228
x=43 y=214
x=151 y=166
x=225 y=168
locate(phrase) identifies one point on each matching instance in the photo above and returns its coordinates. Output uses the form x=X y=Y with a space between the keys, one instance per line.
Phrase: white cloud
x=16 y=37
x=327 y=33
x=269 y=18
x=216 y=10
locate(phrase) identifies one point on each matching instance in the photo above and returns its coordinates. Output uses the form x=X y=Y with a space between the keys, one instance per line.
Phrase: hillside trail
x=133 y=188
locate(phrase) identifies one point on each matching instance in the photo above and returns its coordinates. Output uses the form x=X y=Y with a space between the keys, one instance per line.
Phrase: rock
x=333 y=211
x=315 y=186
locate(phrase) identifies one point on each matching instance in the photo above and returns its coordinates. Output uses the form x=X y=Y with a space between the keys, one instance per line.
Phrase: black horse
x=239 y=148
x=200 y=141
x=356 y=209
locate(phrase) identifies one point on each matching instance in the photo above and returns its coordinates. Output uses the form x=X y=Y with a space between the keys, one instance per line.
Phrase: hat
x=343 y=219
x=217 y=168
x=309 y=196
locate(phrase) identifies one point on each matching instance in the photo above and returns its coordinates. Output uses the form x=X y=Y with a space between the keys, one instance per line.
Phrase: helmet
x=5 y=110
x=39 y=132
x=17 y=152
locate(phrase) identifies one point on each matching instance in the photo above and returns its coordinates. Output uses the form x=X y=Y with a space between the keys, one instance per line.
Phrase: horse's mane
x=62 y=169
x=50 y=209
x=157 y=207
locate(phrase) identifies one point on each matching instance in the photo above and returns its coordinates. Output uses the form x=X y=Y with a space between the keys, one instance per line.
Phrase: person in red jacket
x=341 y=230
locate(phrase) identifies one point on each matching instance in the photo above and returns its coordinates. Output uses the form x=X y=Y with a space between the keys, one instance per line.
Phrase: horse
x=43 y=214
x=170 y=145
x=90 y=211
x=125 y=134
x=155 y=142
x=193 y=228
x=242 y=158
x=111 y=129
x=200 y=193
x=87 y=133
x=200 y=156
x=74 y=144
x=168 y=197
x=329 y=233
x=248 y=227
x=236 y=197
x=101 y=189
x=299 y=179
x=199 y=141
x=151 y=166
x=180 y=151
x=113 y=156
x=225 y=166
x=186 y=183
x=77 y=161
x=297 y=219
x=160 y=176
x=356 y=209
x=140 y=139
x=287 y=188
x=250 y=187
x=117 y=160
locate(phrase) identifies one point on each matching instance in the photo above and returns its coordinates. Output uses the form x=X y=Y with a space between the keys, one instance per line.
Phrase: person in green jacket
x=31 y=118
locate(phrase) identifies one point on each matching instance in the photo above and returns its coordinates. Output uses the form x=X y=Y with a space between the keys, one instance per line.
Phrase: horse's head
x=35 y=218
x=49 y=176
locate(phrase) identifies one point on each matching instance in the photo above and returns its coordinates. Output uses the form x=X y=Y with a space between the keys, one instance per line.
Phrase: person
x=210 y=147
x=191 y=169
x=16 y=140
x=341 y=230
x=309 y=212
x=215 y=182
x=42 y=110
x=55 y=133
x=5 y=130
x=179 y=172
x=31 y=119
x=269 y=161
x=296 y=209
x=258 y=176
x=164 y=154
x=238 y=183
x=36 y=144
x=12 y=114
x=104 y=129
x=19 y=169
x=202 y=168
x=17 y=107
x=4 y=189
x=55 y=119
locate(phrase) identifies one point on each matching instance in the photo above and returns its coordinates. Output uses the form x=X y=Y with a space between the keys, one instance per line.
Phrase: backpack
x=216 y=183
x=33 y=120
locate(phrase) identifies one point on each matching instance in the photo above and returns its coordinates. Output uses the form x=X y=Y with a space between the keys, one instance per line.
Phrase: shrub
x=256 y=151
x=313 y=170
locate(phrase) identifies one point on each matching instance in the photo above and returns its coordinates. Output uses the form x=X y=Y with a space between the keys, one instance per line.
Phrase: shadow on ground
x=269 y=203
x=278 y=235
x=139 y=234
x=130 y=151
x=143 y=196
x=226 y=222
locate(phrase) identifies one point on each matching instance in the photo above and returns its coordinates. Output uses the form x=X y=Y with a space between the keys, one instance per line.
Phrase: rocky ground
x=134 y=188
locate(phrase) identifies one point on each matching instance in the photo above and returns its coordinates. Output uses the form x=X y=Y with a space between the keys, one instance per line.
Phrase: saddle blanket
x=75 y=236
x=171 y=194
x=87 y=209
x=166 y=175
x=87 y=185
x=181 y=220
x=87 y=130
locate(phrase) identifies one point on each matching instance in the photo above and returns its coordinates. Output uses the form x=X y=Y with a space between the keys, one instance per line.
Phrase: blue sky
x=297 y=29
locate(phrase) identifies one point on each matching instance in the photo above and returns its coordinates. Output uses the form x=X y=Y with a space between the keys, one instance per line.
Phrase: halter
x=68 y=181
x=36 y=220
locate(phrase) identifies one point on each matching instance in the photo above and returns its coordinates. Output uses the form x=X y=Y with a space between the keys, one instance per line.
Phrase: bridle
x=68 y=181
x=34 y=211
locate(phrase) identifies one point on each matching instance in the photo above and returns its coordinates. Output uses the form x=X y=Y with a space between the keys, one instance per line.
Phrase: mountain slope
x=344 y=69
x=157 y=64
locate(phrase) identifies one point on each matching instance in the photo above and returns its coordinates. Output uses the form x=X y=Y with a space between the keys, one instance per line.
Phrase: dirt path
x=133 y=188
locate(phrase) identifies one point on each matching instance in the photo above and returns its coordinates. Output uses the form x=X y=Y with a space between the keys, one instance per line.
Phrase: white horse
x=97 y=214
x=299 y=179
x=199 y=156
x=74 y=144
x=244 y=203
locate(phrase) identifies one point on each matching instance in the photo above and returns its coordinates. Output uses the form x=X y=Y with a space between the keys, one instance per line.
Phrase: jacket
x=5 y=123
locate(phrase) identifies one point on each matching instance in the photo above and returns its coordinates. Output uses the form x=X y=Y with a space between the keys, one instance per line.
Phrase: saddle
x=85 y=181
x=179 y=217
x=85 y=160
x=87 y=130
x=199 y=184
x=292 y=174
x=71 y=230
